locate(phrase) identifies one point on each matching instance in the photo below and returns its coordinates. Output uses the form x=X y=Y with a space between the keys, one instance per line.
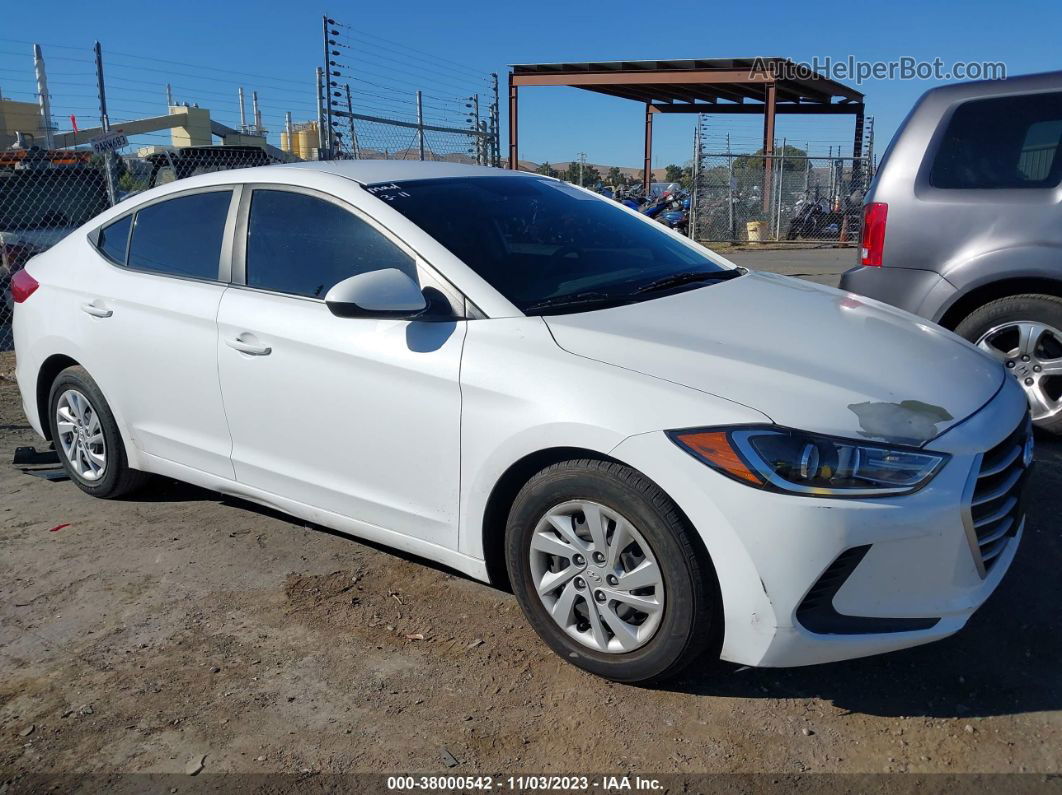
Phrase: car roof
x=368 y=172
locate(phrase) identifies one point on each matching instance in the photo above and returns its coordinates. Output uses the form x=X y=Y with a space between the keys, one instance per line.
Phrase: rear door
x=358 y=417
x=151 y=320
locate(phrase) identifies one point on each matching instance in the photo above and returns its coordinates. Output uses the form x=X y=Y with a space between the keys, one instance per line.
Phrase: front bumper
x=920 y=569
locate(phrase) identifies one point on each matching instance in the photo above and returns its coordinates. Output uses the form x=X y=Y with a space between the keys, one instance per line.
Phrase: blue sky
x=207 y=49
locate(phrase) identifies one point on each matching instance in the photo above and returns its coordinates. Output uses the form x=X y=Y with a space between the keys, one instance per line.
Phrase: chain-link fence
x=375 y=138
x=738 y=199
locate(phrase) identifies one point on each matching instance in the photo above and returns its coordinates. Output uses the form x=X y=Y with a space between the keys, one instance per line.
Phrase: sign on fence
x=109 y=141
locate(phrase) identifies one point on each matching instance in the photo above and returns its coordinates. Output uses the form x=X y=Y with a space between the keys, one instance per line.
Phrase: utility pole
x=169 y=96
x=420 y=123
x=42 y=95
x=105 y=123
x=353 y=131
x=582 y=162
x=291 y=134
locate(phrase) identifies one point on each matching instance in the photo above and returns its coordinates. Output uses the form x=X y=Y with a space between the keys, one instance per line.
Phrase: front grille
x=996 y=507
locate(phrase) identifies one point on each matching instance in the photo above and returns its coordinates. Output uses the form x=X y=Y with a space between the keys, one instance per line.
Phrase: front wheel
x=608 y=572
x=1025 y=333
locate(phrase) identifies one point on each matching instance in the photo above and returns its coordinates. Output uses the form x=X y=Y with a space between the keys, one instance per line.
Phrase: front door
x=359 y=417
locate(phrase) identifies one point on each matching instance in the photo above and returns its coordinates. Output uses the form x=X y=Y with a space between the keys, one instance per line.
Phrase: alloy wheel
x=1032 y=353
x=597 y=577
x=80 y=434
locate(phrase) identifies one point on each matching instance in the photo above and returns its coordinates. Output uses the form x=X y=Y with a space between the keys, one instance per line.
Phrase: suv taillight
x=872 y=240
x=23 y=286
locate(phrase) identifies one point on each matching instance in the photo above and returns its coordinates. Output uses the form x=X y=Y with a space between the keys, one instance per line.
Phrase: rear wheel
x=607 y=572
x=1025 y=333
x=87 y=439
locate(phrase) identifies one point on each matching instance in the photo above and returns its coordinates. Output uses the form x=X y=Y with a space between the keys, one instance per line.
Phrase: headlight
x=781 y=459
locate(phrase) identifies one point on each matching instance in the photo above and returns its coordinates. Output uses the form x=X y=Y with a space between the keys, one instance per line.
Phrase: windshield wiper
x=688 y=277
x=573 y=299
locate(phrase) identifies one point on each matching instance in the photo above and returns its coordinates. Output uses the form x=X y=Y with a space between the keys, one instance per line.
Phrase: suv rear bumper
x=924 y=293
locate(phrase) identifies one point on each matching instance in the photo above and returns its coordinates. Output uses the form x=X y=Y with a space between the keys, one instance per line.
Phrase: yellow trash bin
x=756 y=231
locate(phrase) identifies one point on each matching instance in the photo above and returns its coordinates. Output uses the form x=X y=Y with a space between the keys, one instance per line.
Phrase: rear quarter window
x=114 y=238
x=1001 y=142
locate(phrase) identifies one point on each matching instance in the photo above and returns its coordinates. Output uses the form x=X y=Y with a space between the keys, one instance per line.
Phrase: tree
x=794 y=159
x=587 y=176
x=615 y=177
x=546 y=169
x=673 y=173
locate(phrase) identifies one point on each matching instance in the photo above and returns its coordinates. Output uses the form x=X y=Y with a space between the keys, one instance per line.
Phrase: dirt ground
x=181 y=627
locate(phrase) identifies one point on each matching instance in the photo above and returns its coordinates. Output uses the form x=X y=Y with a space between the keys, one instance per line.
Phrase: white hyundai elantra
x=662 y=453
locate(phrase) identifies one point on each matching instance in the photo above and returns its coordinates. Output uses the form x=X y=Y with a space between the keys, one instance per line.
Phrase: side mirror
x=382 y=293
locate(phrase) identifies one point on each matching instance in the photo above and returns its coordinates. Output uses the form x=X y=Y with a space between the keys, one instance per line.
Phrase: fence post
x=691 y=219
x=778 y=206
x=420 y=123
x=353 y=131
x=730 y=189
x=495 y=128
x=105 y=123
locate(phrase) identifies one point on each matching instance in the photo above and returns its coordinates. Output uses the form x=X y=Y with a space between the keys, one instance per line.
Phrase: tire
x=1044 y=312
x=688 y=619
x=114 y=478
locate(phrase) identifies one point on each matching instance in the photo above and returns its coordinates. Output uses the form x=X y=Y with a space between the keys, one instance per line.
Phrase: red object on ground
x=59 y=527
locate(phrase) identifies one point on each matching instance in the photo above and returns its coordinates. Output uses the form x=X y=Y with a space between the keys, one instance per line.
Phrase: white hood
x=807 y=356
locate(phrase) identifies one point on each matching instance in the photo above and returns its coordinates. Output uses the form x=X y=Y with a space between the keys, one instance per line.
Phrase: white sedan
x=662 y=454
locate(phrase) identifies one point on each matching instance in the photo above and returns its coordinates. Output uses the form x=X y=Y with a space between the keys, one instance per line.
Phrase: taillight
x=23 y=286
x=872 y=242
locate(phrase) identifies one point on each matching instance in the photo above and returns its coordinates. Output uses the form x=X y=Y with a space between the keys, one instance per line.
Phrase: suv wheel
x=1025 y=333
x=87 y=439
x=607 y=572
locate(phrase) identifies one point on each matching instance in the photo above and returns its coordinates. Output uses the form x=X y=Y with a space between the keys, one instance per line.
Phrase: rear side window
x=1003 y=142
x=114 y=238
x=303 y=245
x=181 y=236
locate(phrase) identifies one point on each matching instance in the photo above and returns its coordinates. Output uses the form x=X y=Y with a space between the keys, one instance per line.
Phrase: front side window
x=303 y=245
x=181 y=236
x=547 y=246
x=1002 y=142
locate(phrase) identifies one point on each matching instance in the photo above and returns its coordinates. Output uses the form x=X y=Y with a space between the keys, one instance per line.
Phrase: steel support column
x=514 y=153
x=768 y=142
x=647 y=169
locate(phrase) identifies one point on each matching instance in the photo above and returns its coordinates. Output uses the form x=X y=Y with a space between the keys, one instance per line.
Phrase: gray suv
x=963 y=225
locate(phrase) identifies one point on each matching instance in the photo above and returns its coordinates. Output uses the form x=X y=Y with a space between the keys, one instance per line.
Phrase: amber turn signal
x=715 y=448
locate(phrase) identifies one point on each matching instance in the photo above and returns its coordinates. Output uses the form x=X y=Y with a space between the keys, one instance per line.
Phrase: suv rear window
x=1002 y=142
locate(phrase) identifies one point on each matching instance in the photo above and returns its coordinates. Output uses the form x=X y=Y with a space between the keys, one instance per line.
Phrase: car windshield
x=547 y=246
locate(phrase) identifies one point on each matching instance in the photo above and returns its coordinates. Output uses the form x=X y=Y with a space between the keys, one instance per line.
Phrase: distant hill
x=628 y=171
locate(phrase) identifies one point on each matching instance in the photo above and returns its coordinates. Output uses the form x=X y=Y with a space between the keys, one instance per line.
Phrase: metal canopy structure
x=767 y=86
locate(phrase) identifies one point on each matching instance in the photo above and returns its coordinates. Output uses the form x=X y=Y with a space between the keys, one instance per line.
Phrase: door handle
x=248 y=347
x=96 y=311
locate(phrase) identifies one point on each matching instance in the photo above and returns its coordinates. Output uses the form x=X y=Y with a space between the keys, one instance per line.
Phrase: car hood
x=807 y=356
